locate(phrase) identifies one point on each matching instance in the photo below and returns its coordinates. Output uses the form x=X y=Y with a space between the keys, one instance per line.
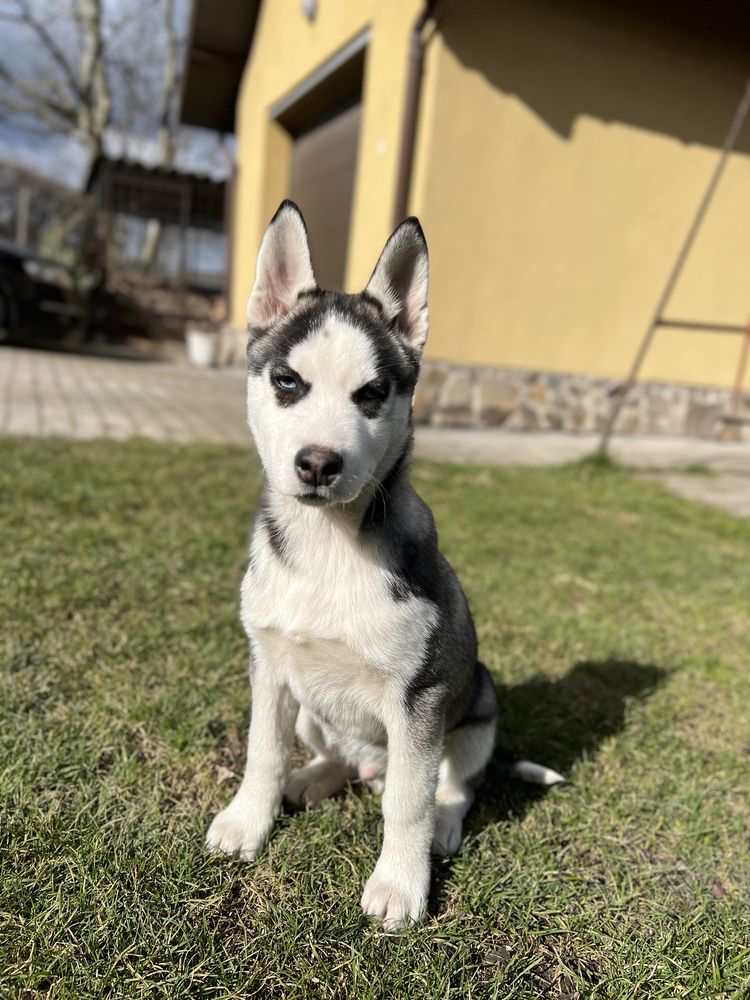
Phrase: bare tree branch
x=27 y=18
x=38 y=100
x=134 y=15
x=80 y=66
x=94 y=110
x=13 y=111
x=169 y=86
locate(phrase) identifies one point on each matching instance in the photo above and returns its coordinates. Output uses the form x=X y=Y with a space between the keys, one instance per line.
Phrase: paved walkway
x=43 y=392
x=704 y=471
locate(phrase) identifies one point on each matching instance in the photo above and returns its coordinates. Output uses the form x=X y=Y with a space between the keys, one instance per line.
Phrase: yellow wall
x=562 y=149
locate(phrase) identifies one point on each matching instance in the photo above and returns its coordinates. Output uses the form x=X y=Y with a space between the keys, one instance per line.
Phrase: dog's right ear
x=284 y=268
x=399 y=282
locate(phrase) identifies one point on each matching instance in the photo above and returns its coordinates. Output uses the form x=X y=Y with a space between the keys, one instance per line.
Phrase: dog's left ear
x=399 y=282
x=284 y=268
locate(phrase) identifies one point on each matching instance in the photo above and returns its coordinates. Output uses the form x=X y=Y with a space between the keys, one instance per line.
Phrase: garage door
x=322 y=183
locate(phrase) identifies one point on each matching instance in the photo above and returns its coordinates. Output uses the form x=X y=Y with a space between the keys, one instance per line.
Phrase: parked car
x=38 y=297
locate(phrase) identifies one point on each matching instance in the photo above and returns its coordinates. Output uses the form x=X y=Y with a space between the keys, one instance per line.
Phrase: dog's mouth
x=314 y=499
x=322 y=496
x=316 y=496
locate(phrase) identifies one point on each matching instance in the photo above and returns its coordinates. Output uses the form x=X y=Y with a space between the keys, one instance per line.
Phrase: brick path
x=42 y=392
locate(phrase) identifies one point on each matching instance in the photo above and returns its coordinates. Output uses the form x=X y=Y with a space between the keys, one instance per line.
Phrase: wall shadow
x=554 y=722
x=677 y=67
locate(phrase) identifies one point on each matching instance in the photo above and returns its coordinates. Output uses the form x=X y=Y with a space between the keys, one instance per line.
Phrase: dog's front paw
x=238 y=830
x=397 y=898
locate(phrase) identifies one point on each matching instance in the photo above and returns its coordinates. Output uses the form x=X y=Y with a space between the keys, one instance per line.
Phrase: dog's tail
x=527 y=770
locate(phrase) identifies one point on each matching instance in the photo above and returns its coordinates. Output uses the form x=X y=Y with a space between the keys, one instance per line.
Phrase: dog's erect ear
x=399 y=282
x=284 y=268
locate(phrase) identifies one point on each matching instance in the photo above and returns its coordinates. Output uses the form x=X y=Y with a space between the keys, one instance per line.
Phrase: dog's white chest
x=328 y=614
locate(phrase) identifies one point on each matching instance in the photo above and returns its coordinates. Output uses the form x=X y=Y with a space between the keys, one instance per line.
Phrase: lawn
x=615 y=620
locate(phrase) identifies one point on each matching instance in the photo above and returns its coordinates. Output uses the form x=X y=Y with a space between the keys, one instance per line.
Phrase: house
x=166 y=222
x=555 y=152
x=163 y=232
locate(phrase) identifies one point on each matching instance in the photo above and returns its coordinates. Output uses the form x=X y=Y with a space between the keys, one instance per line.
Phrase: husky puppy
x=360 y=634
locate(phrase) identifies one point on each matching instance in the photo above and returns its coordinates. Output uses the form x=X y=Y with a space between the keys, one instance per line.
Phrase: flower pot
x=201 y=348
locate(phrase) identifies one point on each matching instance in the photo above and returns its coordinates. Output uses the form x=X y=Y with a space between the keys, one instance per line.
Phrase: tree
x=80 y=67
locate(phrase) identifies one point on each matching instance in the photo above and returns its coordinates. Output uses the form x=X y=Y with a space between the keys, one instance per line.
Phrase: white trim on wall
x=317 y=76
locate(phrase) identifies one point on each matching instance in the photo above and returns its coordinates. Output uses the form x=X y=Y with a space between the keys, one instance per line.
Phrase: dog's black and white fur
x=360 y=632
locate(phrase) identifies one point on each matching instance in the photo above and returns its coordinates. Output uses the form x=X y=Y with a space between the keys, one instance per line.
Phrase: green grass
x=615 y=620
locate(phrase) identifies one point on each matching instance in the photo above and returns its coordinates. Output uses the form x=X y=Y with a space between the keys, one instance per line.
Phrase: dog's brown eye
x=371 y=397
x=372 y=391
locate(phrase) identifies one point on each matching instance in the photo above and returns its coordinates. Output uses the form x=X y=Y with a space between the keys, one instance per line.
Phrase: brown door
x=322 y=183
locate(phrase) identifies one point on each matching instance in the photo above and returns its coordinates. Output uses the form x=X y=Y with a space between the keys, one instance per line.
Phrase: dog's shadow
x=553 y=722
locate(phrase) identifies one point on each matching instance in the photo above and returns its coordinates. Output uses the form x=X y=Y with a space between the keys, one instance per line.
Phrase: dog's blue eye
x=288 y=386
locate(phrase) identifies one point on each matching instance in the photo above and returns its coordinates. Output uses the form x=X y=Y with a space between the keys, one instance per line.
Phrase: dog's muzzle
x=318 y=466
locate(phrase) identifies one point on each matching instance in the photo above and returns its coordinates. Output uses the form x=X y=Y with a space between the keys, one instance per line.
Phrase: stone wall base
x=525 y=400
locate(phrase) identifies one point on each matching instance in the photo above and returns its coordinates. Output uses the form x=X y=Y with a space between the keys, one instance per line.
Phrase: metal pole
x=186 y=190
x=22 y=214
x=737 y=122
x=689 y=324
x=741 y=369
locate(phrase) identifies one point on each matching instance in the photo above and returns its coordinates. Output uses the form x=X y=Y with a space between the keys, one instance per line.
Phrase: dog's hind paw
x=310 y=784
x=235 y=830
x=397 y=902
x=448 y=831
x=450 y=808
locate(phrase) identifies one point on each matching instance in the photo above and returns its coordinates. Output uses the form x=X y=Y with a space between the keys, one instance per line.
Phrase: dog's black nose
x=318 y=466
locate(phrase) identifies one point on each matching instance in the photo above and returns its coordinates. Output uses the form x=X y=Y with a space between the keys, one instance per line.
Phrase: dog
x=361 y=637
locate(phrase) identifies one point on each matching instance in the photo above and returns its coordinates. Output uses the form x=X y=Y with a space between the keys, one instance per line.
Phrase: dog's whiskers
x=380 y=492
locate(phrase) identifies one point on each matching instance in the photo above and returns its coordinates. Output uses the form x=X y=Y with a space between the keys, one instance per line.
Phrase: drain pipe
x=411 y=107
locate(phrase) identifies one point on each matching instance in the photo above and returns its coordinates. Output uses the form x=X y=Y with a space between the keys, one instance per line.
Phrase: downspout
x=411 y=107
x=230 y=185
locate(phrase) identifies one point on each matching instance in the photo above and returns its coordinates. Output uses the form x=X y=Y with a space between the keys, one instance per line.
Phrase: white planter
x=201 y=348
